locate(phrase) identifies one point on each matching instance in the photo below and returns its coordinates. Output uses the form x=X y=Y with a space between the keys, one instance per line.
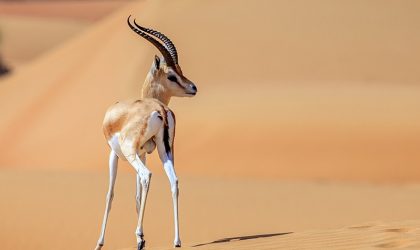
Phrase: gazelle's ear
x=157 y=62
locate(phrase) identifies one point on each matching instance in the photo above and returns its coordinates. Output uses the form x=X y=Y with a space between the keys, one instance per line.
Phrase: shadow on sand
x=249 y=237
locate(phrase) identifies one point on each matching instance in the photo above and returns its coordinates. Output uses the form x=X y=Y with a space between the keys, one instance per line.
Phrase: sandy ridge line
x=375 y=235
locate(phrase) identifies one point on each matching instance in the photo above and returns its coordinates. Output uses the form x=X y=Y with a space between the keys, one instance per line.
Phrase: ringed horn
x=167 y=49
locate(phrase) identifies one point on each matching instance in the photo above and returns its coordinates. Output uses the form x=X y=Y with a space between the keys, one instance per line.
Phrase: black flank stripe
x=166 y=139
x=166 y=131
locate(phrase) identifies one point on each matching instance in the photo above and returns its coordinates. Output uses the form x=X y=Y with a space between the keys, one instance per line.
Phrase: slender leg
x=138 y=186
x=166 y=156
x=138 y=193
x=113 y=165
x=145 y=176
x=170 y=172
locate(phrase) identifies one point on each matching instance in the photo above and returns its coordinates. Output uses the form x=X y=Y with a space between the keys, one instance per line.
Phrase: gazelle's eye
x=172 y=78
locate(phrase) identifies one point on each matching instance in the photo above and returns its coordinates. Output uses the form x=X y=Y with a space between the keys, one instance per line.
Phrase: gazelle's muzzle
x=191 y=89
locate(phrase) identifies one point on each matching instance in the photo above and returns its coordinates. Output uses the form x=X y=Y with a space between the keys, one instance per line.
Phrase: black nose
x=193 y=87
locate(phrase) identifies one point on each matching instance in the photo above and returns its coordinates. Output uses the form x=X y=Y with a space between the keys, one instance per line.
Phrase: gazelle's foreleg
x=113 y=165
x=165 y=140
x=170 y=172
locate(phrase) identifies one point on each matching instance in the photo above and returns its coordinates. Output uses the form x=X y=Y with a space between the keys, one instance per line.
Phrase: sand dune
x=43 y=34
x=61 y=210
x=28 y=29
x=302 y=105
x=75 y=10
x=342 y=113
x=397 y=235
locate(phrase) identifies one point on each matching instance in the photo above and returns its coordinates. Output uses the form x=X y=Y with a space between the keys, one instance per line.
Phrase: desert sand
x=59 y=210
x=305 y=133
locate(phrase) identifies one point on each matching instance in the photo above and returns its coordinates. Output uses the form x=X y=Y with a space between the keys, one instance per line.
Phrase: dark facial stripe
x=179 y=84
x=174 y=79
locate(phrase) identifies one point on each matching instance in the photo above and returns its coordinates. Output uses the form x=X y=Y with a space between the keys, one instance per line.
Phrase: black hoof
x=178 y=245
x=141 y=245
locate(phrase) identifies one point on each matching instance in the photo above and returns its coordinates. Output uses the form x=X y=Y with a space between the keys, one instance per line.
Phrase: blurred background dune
x=288 y=89
x=299 y=103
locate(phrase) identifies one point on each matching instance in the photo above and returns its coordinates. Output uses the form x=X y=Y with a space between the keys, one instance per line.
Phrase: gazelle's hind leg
x=145 y=176
x=138 y=186
x=138 y=193
x=113 y=165
x=164 y=141
x=129 y=149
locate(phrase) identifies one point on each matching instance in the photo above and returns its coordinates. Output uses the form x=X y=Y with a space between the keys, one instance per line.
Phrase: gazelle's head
x=165 y=78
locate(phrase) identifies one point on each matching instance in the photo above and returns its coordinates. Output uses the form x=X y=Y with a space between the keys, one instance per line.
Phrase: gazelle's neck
x=155 y=90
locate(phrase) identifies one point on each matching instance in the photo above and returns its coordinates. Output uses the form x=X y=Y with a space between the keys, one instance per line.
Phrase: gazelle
x=134 y=128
